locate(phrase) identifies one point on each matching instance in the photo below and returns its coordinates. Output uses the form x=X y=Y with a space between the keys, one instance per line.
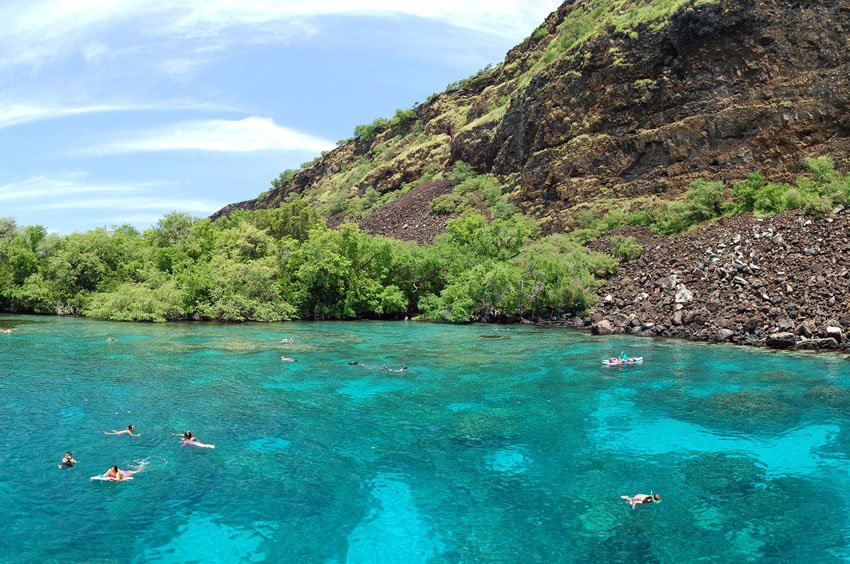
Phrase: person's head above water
x=114 y=468
x=131 y=428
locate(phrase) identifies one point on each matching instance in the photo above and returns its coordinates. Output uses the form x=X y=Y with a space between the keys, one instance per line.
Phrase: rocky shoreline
x=782 y=282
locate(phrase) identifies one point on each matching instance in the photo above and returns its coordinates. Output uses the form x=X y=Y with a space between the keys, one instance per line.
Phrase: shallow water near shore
x=513 y=449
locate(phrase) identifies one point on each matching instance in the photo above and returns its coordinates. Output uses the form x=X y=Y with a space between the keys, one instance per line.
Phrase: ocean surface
x=497 y=444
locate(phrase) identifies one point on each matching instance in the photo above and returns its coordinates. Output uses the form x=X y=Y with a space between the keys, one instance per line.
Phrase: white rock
x=683 y=295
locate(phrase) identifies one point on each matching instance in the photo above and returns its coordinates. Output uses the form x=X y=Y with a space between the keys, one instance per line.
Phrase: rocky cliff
x=612 y=100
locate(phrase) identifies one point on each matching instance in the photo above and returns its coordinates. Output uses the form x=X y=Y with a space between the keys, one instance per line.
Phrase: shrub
x=613 y=220
x=284 y=178
x=586 y=219
x=503 y=209
x=539 y=33
x=363 y=132
x=460 y=172
x=444 y=204
x=642 y=218
x=401 y=118
x=747 y=190
x=672 y=218
x=816 y=205
x=625 y=248
x=706 y=200
x=137 y=302
x=771 y=198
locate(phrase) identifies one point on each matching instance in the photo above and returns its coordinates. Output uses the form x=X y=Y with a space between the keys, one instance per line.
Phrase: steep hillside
x=610 y=100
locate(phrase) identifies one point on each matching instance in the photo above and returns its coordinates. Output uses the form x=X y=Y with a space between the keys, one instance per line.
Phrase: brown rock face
x=723 y=90
x=717 y=90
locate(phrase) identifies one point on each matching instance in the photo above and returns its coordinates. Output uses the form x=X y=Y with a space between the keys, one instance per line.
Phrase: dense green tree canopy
x=282 y=264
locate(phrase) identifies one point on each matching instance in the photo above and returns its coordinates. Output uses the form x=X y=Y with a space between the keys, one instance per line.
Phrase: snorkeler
x=116 y=474
x=68 y=460
x=402 y=369
x=130 y=430
x=641 y=499
x=190 y=439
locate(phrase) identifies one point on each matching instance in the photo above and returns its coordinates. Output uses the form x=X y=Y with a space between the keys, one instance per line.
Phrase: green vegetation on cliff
x=818 y=191
x=281 y=264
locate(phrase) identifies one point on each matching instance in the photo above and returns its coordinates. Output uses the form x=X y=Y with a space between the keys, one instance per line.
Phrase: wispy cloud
x=510 y=18
x=16 y=114
x=12 y=113
x=136 y=203
x=41 y=198
x=35 y=189
x=180 y=66
x=231 y=136
x=36 y=32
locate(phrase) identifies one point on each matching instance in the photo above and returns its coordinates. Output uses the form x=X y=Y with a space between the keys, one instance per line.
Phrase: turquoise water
x=509 y=449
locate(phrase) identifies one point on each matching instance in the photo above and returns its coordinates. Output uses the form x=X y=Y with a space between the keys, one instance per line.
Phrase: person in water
x=402 y=369
x=115 y=473
x=190 y=439
x=287 y=341
x=641 y=499
x=354 y=363
x=623 y=356
x=68 y=460
x=110 y=339
x=130 y=430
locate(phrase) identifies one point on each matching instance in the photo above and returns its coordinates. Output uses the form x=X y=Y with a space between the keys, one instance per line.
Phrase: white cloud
x=95 y=52
x=16 y=114
x=136 y=203
x=180 y=66
x=509 y=18
x=35 y=32
x=72 y=195
x=12 y=113
x=37 y=188
x=232 y=136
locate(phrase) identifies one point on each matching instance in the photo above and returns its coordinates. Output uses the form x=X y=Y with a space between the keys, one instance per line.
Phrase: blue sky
x=115 y=112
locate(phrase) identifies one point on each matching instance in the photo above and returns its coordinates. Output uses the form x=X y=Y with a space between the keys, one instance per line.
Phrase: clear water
x=510 y=449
